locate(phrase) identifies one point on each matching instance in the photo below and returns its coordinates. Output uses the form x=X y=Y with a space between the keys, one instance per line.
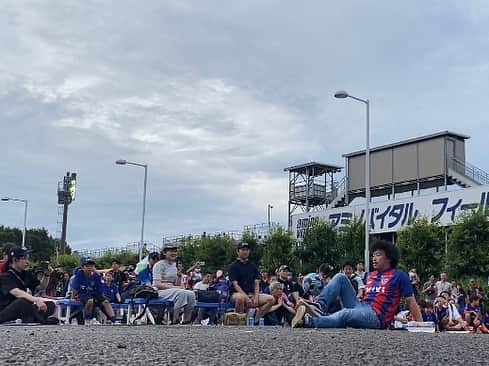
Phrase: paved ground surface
x=187 y=345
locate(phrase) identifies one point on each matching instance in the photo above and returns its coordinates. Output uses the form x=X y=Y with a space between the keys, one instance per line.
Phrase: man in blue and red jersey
x=385 y=287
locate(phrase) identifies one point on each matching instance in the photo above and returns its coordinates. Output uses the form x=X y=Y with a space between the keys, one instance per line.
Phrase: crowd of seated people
x=273 y=295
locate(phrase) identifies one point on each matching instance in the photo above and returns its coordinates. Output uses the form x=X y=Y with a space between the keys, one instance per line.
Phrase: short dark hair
x=7 y=248
x=389 y=249
x=115 y=260
x=347 y=263
x=326 y=269
x=207 y=273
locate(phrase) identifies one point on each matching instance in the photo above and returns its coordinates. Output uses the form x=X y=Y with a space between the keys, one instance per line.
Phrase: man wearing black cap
x=245 y=280
x=16 y=300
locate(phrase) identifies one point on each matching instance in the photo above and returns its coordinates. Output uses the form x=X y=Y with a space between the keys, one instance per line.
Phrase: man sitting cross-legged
x=384 y=288
x=245 y=281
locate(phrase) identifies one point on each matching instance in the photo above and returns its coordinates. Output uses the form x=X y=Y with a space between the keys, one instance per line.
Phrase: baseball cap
x=169 y=245
x=86 y=260
x=18 y=253
x=243 y=245
x=283 y=267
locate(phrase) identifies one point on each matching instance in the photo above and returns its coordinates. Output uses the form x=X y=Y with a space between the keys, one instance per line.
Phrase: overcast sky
x=217 y=97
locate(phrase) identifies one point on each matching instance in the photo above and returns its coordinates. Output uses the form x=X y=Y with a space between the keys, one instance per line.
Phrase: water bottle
x=261 y=322
x=18 y=321
x=251 y=318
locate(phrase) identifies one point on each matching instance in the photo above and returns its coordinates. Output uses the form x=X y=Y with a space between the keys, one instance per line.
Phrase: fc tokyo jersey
x=383 y=292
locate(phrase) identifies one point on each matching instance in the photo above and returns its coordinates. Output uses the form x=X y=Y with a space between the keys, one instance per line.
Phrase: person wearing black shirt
x=121 y=279
x=245 y=281
x=290 y=289
x=16 y=285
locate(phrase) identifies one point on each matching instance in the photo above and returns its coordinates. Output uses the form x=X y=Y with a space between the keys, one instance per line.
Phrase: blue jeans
x=354 y=313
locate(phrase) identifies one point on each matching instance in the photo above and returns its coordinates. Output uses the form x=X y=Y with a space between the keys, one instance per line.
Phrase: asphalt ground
x=228 y=345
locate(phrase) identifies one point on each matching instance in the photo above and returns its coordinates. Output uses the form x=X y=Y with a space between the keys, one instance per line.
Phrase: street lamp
x=341 y=94
x=269 y=215
x=25 y=215
x=145 y=166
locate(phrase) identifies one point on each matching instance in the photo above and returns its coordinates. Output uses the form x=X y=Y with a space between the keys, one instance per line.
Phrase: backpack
x=353 y=282
x=223 y=287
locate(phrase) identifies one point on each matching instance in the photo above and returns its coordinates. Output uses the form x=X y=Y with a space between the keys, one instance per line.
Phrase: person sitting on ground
x=16 y=300
x=87 y=285
x=428 y=313
x=473 y=316
x=7 y=248
x=361 y=272
x=383 y=291
x=289 y=288
x=448 y=316
x=282 y=309
x=146 y=275
x=167 y=280
x=355 y=279
x=245 y=281
x=264 y=283
x=110 y=289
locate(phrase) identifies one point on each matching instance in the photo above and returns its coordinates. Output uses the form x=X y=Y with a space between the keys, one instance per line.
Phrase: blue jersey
x=110 y=291
x=383 y=292
x=90 y=285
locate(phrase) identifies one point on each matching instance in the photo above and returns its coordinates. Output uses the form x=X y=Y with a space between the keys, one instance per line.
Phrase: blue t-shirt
x=429 y=317
x=146 y=276
x=110 y=291
x=90 y=285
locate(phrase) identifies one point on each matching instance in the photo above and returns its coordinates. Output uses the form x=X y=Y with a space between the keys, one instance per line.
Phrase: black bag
x=142 y=292
x=208 y=296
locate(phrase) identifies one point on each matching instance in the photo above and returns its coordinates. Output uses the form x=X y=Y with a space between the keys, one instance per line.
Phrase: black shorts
x=98 y=299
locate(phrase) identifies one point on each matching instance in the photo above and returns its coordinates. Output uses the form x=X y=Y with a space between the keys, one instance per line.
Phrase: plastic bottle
x=18 y=321
x=261 y=322
x=251 y=318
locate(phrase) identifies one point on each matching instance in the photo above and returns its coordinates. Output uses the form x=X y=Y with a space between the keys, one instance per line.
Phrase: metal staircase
x=466 y=175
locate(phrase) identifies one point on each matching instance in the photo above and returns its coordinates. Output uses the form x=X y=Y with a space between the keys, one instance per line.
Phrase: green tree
x=278 y=249
x=318 y=246
x=216 y=251
x=351 y=242
x=468 y=245
x=125 y=256
x=421 y=245
x=188 y=251
x=66 y=261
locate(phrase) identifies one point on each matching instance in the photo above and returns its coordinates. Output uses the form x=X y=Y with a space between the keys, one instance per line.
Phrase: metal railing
x=470 y=171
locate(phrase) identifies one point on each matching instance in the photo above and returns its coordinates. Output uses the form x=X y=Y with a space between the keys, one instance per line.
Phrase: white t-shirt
x=442 y=286
x=201 y=286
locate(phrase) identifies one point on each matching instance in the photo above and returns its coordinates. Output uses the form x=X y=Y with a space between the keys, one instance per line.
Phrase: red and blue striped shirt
x=383 y=292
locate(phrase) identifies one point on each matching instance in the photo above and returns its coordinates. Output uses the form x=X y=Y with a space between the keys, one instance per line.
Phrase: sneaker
x=312 y=308
x=95 y=322
x=298 y=319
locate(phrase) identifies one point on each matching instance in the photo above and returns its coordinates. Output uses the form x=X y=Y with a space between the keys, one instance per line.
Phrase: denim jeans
x=354 y=313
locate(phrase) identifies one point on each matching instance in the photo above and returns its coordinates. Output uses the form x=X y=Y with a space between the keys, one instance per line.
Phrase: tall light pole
x=145 y=166
x=25 y=215
x=342 y=95
x=269 y=216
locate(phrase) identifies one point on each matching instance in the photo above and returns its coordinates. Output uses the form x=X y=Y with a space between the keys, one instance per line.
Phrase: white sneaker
x=96 y=322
